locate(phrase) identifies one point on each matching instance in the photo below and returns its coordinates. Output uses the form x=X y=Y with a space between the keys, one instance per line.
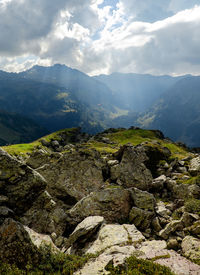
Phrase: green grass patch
x=193 y=206
x=177 y=151
x=135 y=266
x=21 y=149
x=52 y=264
x=102 y=147
x=192 y=180
x=132 y=136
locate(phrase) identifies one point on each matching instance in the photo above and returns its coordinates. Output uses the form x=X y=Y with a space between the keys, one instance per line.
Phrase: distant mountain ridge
x=58 y=97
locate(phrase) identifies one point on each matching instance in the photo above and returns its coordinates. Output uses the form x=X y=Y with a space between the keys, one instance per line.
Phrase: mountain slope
x=15 y=128
x=177 y=112
x=137 y=92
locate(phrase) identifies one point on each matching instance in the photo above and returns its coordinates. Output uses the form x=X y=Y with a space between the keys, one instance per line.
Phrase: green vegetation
x=134 y=266
x=132 y=136
x=23 y=149
x=193 y=206
x=192 y=180
x=52 y=264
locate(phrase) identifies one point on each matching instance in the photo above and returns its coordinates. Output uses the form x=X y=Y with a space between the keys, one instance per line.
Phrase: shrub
x=134 y=266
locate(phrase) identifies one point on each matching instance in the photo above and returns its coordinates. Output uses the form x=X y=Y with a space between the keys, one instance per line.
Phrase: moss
x=193 y=206
x=166 y=256
x=192 y=180
x=136 y=266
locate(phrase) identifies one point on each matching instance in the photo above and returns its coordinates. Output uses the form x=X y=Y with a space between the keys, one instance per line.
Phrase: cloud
x=96 y=36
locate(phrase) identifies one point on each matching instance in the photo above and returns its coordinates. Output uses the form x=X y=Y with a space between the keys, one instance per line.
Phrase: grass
x=49 y=263
x=132 y=136
x=193 y=206
x=135 y=266
x=23 y=149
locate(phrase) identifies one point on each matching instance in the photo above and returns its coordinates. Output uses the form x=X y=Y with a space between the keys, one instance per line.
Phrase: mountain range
x=57 y=97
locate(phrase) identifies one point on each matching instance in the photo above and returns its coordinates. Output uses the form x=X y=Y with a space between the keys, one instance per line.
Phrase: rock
x=131 y=172
x=85 y=229
x=182 y=191
x=158 y=183
x=188 y=219
x=115 y=234
x=162 y=211
x=116 y=254
x=21 y=184
x=113 y=204
x=74 y=175
x=141 y=218
x=191 y=248
x=113 y=162
x=16 y=245
x=171 y=228
x=178 y=264
x=195 y=228
x=194 y=166
x=38 y=158
x=41 y=240
x=45 y=215
x=3 y=200
x=156 y=225
x=143 y=199
x=172 y=243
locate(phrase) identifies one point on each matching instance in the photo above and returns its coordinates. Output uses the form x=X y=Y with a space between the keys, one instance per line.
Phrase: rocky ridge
x=116 y=194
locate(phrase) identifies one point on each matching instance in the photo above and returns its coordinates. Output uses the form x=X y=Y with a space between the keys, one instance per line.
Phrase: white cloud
x=95 y=37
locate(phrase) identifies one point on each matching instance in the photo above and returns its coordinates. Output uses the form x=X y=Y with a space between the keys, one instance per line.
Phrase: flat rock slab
x=178 y=264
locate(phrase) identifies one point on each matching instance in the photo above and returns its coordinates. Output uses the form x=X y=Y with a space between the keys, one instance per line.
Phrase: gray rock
x=131 y=172
x=141 y=218
x=85 y=229
x=45 y=215
x=194 y=166
x=162 y=211
x=191 y=247
x=21 y=184
x=16 y=245
x=171 y=228
x=113 y=204
x=143 y=199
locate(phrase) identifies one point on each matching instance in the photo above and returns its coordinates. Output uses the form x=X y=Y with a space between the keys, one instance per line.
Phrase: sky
x=102 y=36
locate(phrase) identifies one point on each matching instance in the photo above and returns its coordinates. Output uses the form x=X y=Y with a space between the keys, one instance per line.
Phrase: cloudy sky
x=102 y=36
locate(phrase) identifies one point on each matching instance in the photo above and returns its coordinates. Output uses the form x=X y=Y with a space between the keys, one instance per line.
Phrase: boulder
x=41 y=240
x=16 y=245
x=45 y=215
x=113 y=204
x=170 y=228
x=194 y=166
x=162 y=211
x=158 y=183
x=74 y=175
x=131 y=171
x=141 y=218
x=20 y=183
x=143 y=199
x=156 y=251
x=115 y=234
x=116 y=254
x=85 y=230
x=191 y=248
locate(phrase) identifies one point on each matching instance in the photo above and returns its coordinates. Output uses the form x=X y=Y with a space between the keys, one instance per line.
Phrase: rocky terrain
x=113 y=197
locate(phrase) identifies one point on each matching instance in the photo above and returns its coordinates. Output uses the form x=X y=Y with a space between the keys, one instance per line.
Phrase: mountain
x=177 y=112
x=15 y=128
x=84 y=88
x=119 y=202
x=137 y=92
x=51 y=106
